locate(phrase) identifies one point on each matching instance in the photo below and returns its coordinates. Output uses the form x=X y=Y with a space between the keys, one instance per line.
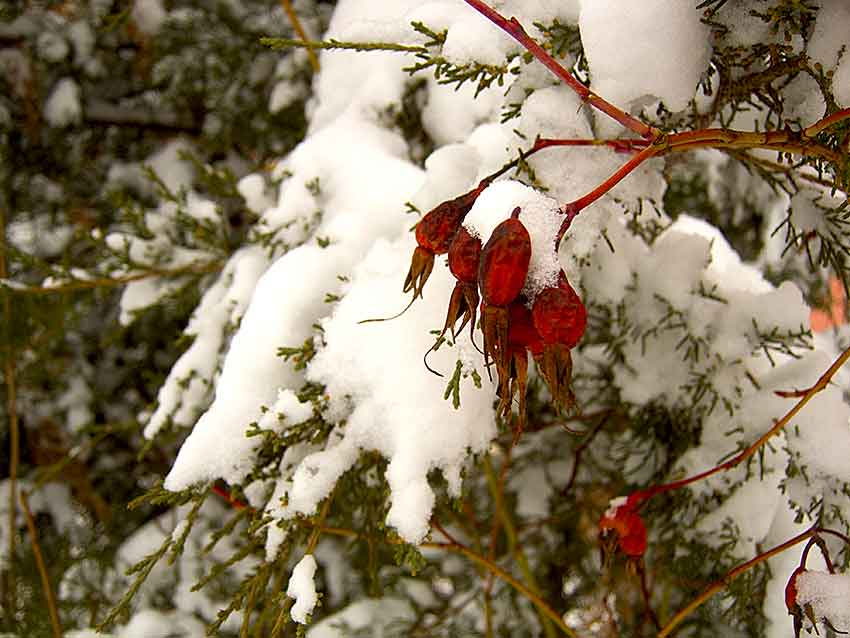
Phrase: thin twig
x=513 y=28
x=723 y=582
x=285 y=43
x=538 y=602
x=14 y=430
x=296 y=25
x=42 y=569
x=105 y=282
x=514 y=547
x=643 y=495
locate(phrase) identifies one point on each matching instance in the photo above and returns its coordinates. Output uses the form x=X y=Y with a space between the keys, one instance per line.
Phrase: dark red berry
x=522 y=335
x=434 y=234
x=559 y=314
x=504 y=263
x=464 y=256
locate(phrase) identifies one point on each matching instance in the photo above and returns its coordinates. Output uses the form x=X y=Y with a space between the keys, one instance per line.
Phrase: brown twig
x=513 y=28
x=588 y=438
x=643 y=495
x=14 y=429
x=105 y=282
x=299 y=30
x=825 y=123
x=500 y=573
x=42 y=568
x=724 y=581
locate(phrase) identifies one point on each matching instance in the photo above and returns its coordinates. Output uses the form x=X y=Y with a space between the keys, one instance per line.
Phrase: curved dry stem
x=513 y=28
x=42 y=568
x=395 y=316
x=721 y=584
x=10 y=586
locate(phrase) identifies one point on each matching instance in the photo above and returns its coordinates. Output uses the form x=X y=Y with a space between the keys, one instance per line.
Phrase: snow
x=52 y=47
x=253 y=188
x=830 y=39
x=374 y=614
x=63 y=106
x=340 y=245
x=828 y=594
x=655 y=49
x=38 y=235
x=539 y=214
x=302 y=588
x=148 y=15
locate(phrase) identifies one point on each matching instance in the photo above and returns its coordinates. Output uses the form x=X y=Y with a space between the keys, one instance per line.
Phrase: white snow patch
x=302 y=588
x=63 y=106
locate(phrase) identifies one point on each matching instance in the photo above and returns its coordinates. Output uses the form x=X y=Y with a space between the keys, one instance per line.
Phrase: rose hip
x=464 y=256
x=622 y=529
x=434 y=234
x=504 y=263
x=559 y=314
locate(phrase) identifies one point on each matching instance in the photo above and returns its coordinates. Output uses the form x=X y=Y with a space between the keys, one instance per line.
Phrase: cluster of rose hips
x=492 y=278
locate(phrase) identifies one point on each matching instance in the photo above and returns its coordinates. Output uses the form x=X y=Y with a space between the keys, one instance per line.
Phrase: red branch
x=513 y=28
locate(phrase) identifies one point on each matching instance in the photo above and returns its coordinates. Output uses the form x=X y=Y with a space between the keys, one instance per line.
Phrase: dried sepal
x=421 y=265
x=494 y=325
x=555 y=365
x=463 y=306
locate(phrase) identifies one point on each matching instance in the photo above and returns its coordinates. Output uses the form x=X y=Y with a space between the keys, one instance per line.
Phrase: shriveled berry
x=437 y=228
x=434 y=234
x=559 y=314
x=504 y=263
x=464 y=256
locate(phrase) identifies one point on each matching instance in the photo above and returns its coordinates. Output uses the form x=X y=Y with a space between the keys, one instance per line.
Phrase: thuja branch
x=49 y=596
x=475 y=557
x=513 y=28
x=284 y=43
x=76 y=284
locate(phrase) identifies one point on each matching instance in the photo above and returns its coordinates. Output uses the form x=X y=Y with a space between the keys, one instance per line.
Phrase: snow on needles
x=340 y=211
x=829 y=596
x=302 y=588
x=654 y=48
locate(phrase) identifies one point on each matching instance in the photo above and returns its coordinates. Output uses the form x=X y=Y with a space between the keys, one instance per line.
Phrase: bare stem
x=513 y=28
x=14 y=430
x=721 y=584
x=42 y=569
x=296 y=25
x=106 y=282
x=826 y=122
x=807 y=396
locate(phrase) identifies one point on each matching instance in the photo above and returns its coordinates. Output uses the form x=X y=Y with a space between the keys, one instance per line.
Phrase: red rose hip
x=504 y=263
